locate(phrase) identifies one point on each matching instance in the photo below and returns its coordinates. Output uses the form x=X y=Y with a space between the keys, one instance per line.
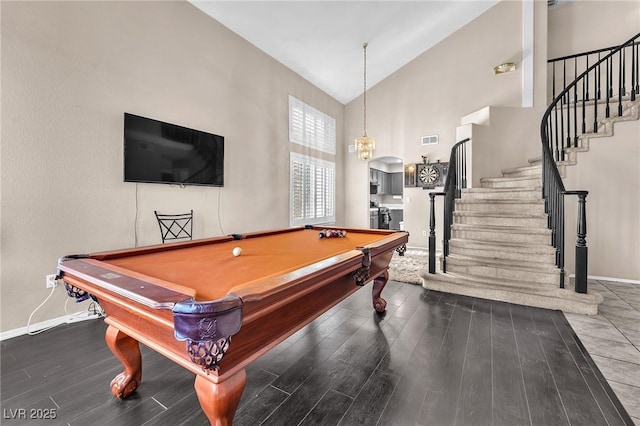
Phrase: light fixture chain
x=364 y=144
x=364 y=46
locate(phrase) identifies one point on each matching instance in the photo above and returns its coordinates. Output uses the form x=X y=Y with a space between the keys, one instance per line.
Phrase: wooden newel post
x=432 y=233
x=581 y=244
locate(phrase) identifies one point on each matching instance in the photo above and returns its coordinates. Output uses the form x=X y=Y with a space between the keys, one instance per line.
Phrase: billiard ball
x=237 y=251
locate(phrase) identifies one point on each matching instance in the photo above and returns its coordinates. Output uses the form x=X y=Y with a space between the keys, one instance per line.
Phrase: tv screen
x=158 y=152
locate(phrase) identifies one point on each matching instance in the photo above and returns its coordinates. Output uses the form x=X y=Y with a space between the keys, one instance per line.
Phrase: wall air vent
x=429 y=140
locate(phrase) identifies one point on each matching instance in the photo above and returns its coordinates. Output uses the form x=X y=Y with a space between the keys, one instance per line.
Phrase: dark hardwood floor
x=432 y=359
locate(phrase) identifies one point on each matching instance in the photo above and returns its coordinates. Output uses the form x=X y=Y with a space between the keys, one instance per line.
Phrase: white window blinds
x=312 y=190
x=310 y=127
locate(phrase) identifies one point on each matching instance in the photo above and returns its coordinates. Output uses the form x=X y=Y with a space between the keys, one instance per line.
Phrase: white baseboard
x=617 y=280
x=34 y=328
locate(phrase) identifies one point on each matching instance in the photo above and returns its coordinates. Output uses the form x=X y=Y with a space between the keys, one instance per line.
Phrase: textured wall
x=430 y=95
x=610 y=170
x=69 y=72
x=581 y=26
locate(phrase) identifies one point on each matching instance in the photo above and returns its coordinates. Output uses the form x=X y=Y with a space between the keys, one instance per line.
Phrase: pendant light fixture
x=365 y=144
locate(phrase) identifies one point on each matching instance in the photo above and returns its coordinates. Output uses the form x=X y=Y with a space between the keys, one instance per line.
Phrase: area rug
x=407 y=268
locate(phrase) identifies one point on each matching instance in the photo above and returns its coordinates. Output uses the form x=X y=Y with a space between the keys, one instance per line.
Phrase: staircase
x=505 y=240
x=500 y=243
x=500 y=247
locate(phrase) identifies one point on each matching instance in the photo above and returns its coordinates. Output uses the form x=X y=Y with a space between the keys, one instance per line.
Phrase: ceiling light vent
x=429 y=140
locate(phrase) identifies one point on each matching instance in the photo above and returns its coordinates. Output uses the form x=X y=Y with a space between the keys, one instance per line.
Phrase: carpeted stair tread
x=507 y=190
x=499 y=201
x=536 y=267
x=524 y=248
x=509 y=178
x=532 y=170
x=512 y=285
x=500 y=214
x=544 y=296
x=501 y=229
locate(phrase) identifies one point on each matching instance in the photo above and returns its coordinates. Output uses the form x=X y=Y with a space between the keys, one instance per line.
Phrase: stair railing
x=556 y=124
x=577 y=111
x=454 y=183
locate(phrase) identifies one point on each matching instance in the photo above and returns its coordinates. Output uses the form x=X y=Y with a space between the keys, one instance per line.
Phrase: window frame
x=312 y=203
x=311 y=127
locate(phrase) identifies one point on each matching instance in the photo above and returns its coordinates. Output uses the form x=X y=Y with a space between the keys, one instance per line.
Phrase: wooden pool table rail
x=272 y=309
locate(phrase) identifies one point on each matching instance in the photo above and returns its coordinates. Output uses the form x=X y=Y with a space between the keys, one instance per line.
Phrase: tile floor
x=613 y=339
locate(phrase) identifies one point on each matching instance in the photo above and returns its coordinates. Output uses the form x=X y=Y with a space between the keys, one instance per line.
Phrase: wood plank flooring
x=432 y=359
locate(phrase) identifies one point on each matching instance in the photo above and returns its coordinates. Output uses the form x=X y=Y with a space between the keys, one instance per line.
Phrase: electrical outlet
x=424 y=233
x=51 y=281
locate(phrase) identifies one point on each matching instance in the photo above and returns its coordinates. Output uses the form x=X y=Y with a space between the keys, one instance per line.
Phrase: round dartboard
x=429 y=174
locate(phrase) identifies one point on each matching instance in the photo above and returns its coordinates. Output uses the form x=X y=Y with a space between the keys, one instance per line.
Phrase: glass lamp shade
x=503 y=68
x=365 y=146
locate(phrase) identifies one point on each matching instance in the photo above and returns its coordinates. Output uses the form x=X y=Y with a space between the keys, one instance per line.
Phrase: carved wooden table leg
x=219 y=401
x=379 y=304
x=127 y=350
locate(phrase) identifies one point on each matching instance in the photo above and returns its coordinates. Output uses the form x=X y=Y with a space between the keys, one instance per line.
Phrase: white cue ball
x=237 y=251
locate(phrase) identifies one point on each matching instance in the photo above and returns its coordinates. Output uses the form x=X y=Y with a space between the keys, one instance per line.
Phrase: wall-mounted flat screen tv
x=158 y=152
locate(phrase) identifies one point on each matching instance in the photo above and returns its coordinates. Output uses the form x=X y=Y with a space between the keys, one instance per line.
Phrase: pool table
x=214 y=313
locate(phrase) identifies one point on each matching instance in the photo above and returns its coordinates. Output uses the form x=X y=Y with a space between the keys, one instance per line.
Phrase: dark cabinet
x=383 y=182
x=396 y=183
x=380 y=178
x=387 y=183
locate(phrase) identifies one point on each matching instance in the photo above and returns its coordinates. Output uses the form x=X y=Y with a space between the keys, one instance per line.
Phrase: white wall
x=69 y=72
x=610 y=170
x=431 y=94
x=508 y=138
x=585 y=25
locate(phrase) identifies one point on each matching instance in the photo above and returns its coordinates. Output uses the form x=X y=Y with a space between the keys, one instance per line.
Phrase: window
x=312 y=199
x=310 y=127
x=312 y=180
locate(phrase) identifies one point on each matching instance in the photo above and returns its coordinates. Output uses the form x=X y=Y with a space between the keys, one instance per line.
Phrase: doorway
x=386 y=180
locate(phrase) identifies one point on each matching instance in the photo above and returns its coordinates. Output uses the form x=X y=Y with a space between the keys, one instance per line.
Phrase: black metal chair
x=175 y=226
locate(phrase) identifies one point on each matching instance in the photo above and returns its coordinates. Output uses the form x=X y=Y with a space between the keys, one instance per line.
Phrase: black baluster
x=561 y=237
x=586 y=77
x=552 y=201
x=620 y=84
x=595 y=105
x=568 y=142
x=623 y=53
x=575 y=107
x=432 y=233
x=554 y=140
x=447 y=229
x=464 y=165
x=607 y=88
x=637 y=48
x=611 y=77
x=599 y=78
x=561 y=141
x=584 y=108
x=633 y=72
x=458 y=175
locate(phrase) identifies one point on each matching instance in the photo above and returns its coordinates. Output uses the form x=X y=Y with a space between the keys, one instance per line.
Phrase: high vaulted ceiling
x=322 y=40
